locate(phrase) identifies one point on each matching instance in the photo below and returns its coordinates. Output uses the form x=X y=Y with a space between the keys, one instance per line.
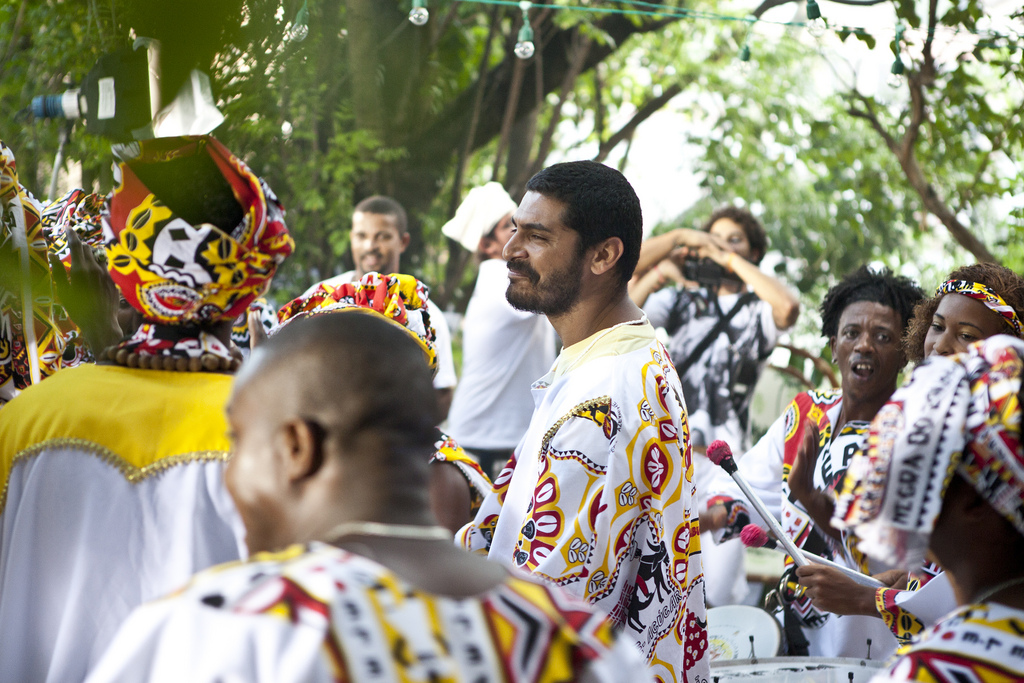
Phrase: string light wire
x=655 y=10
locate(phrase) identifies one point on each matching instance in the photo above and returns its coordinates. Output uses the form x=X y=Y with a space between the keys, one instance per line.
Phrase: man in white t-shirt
x=379 y=237
x=720 y=336
x=504 y=350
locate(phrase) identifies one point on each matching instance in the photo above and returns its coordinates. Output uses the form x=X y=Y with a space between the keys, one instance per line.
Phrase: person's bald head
x=338 y=401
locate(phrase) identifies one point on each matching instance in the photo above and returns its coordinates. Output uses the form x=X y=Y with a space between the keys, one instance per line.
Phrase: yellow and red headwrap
x=985 y=295
x=399 y=299
x=179 y=274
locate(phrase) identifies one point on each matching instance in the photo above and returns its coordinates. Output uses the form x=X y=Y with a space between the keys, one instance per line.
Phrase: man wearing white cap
x=504 y=350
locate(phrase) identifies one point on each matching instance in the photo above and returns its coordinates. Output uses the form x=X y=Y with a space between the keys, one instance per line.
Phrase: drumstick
x=719 y=453
x=754 y=536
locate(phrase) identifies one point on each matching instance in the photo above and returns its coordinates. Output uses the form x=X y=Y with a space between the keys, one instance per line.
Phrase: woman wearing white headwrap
x=944 y=471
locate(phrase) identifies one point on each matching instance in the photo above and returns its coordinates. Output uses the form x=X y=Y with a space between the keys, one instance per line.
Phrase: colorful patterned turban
x=182 y=273
x=985 y=295
x=77 y=210
x=957 y=414
x=400 y=299
x=55 y=343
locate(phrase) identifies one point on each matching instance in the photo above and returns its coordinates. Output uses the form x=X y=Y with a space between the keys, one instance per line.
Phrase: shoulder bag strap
x=719 y=327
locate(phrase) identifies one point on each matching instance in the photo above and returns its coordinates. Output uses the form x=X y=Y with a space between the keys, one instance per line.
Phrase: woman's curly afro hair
x=1000 y=279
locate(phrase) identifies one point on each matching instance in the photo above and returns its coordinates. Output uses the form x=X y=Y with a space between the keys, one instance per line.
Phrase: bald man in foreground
x=351 y=578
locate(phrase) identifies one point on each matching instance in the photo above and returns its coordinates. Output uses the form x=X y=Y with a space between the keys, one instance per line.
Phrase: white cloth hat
x=482 y=208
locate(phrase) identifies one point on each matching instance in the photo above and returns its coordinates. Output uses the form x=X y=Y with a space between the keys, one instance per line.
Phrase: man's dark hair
x=884 y=287
x=600 y=203
x=752 y=227
x=385 y=206
x=362 y=378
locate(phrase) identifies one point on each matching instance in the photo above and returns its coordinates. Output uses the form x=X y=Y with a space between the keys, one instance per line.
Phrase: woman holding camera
x=722 y=316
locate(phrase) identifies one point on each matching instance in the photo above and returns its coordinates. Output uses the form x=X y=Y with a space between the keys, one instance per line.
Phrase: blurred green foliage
x=829 y=191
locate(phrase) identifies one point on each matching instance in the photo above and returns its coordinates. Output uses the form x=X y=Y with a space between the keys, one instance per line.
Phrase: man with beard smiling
x=864 y=318
x=598 y=497
x=378 y=239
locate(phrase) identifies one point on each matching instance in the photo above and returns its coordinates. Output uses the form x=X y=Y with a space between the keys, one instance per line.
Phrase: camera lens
x=47 y=107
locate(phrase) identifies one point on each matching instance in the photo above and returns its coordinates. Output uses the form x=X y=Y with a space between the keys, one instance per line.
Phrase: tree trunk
x=364 y=65
x=937 y=207
x=509 y=118
x=520 y=145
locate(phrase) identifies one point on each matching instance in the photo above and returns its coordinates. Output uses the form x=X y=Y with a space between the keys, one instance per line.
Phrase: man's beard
x=557 y=294
x=381 y=266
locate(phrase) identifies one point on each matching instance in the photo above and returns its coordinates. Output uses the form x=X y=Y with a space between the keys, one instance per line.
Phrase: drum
x=795 y=670
x=742 y=632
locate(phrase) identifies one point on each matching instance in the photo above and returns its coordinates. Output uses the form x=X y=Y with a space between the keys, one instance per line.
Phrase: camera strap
x=719 y=327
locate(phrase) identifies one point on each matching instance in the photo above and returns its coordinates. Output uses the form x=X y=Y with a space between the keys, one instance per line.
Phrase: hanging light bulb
x=895 y=79
x=419 y=14
x=816 y=26
x=300 y=27
x=524 y=44
x=746 y=66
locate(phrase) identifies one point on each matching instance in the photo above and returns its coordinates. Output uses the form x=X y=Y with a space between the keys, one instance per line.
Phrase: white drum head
x=795 y=670
x=730 y=629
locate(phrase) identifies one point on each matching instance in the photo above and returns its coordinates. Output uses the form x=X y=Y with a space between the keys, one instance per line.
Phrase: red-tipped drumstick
x=719 y=453
x=754 y=536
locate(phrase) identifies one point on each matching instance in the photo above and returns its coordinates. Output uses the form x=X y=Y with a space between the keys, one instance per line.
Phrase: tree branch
x=516 y=88
x=820 y=364
x=362 y=54
x=795 y=374
x=467 y=148
x=931 y=200
x=937 y=206
x=918 y=110
x=15 y=33
x=904 y=152
x=916 y=81
x=625 y=155
x=997 y=143
x=641 y=115
x=429 y=144
x=928 y=58
x=450 y=124
x=581 y=47
x=458 y=258
x=771 y=4
x=868 y=114
x=442 y=26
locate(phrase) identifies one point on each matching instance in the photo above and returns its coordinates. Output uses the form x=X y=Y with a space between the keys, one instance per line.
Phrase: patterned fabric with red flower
x=401 y=299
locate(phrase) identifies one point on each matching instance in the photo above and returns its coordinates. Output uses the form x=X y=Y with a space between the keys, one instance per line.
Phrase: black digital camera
x=706 y=272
